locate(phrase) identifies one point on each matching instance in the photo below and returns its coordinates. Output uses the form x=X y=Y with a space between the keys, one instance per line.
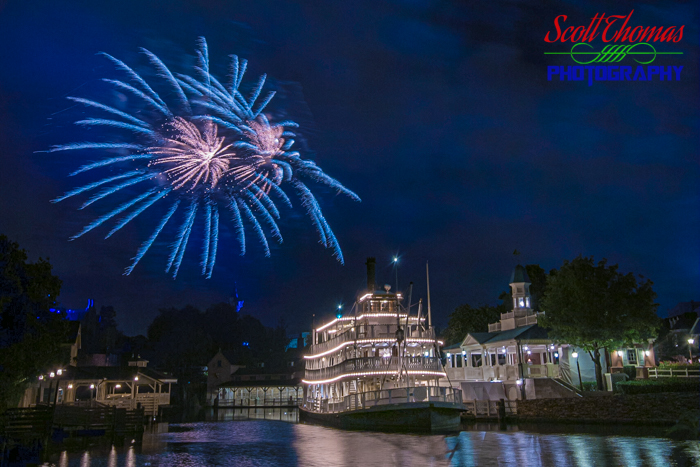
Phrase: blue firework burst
x=214 y=149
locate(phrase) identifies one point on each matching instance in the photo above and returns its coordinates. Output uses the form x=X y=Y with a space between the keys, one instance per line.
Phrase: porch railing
x=503 y=372
x=263 y=402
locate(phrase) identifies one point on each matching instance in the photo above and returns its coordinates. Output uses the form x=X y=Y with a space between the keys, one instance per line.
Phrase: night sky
x=437 y=113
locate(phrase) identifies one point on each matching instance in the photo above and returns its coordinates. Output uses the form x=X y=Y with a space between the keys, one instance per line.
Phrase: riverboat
x=378 y=368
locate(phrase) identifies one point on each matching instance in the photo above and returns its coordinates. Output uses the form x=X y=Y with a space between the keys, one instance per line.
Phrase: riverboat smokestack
x=371 y=275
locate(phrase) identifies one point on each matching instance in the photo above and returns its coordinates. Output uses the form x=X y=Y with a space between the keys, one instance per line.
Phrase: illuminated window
x=632 y=356
x=521 y=302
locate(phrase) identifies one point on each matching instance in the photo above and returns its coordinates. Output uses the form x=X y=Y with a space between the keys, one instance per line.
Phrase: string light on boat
x=374 y=373
x=367 y=341
x=367 y=315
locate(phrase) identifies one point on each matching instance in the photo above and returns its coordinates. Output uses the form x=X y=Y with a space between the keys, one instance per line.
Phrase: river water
x=233 y=441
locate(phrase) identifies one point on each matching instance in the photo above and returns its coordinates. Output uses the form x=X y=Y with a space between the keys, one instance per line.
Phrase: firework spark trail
x=100 y=220
x=216 y=148
x=138 y=211
x=113 y=160
x=238 y=222
x=207 y=239
x=255 y=202
x=147 y=244
x=214 y=240
x=82 y=189
x=116 y=188
x=183 y=237
x=256 y=225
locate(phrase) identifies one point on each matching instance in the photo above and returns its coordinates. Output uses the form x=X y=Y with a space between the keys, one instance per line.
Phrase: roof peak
x=519 y=274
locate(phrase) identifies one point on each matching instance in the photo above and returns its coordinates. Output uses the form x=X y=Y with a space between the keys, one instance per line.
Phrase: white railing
x=525 y=320
x=372 y=331
x=674 y=372
x=366 y=400
x=495 y=327
x=502 y=372
x=363 y=364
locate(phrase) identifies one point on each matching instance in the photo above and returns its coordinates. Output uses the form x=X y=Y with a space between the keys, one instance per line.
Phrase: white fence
x=674 y=372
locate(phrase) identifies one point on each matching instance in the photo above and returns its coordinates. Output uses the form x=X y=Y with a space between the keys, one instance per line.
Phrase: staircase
x=569 y=386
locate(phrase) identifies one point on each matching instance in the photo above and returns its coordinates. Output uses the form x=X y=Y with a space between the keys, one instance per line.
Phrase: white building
x=517 y=359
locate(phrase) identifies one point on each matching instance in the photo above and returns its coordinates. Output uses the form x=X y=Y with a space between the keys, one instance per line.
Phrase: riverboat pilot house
x=516 y=358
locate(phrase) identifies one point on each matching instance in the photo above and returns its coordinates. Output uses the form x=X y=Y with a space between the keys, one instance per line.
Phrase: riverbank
x=663 y=409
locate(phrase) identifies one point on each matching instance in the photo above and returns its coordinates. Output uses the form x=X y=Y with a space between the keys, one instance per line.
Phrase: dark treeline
x=179 y=341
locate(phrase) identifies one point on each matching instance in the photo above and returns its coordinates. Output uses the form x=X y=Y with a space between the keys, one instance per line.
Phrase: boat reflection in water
x=254 y=413
x=275 y=443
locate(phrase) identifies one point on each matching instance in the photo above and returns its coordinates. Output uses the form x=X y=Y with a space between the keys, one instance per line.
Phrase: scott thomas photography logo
x=599 y=49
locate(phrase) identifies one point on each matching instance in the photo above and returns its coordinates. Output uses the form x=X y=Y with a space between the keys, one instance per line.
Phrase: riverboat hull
x=406 y=417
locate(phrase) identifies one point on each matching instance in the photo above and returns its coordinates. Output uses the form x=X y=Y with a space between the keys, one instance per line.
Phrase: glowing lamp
x=620 y=353
x=396 y=259
x=59 y=372
x=647 y=353
x=117 y=386
x=70 y=386
x=691 y=341
x=575 y=354
x=519 y=382
x=448 y=354
x=556 y=354
x=41 y=377
x=92 y=386
x=52 y=374
x=136 y=378
x=525 y=347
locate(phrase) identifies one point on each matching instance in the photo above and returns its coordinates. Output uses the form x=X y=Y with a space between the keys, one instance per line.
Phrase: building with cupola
x=515 y=358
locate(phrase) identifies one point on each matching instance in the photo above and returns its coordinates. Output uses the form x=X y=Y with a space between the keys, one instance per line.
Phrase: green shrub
x=654 y=386
x=679 y=366
x=630 y=371
x=590 y=386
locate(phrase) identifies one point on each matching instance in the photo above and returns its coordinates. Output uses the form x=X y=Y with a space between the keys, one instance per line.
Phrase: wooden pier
x=37 y=427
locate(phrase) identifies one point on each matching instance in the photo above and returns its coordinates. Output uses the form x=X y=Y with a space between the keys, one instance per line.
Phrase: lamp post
x=396 y=269
x=578 y=370
x=691 y=341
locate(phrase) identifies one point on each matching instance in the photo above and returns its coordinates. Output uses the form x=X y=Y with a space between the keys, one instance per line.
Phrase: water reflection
x=258 y=413
x=530 y=449
x=276 y=443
